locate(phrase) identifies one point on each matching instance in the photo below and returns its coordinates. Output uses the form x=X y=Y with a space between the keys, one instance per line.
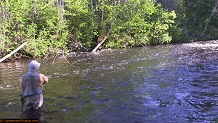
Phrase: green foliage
x=81 y=23
x=139 y=24
x=51 y=32
x=59 y=25
x=52 y=26
x=35 y=22
x=13 y=20
x=197 y=13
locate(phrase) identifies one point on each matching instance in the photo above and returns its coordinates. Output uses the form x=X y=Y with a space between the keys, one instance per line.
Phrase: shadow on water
x=169 y=83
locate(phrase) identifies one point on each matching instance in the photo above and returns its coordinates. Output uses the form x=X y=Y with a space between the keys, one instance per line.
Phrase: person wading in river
x=31 y=84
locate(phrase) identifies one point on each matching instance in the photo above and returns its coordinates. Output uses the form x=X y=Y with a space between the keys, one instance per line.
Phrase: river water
x=157 y=84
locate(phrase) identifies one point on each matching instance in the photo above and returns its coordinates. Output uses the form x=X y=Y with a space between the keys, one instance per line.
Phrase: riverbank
x=62 y=54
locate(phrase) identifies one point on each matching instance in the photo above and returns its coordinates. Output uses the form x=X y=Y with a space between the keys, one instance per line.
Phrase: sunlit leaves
x=37 y=22
x=142 y=23
x=53 y=25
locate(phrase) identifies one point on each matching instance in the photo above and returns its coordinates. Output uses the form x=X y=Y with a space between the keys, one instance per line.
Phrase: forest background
x=60 y=26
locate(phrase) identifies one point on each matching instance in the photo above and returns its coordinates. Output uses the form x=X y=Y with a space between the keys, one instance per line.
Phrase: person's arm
x=43 y=79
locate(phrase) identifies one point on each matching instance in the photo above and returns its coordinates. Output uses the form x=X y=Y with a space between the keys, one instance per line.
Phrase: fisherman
x=31 y=84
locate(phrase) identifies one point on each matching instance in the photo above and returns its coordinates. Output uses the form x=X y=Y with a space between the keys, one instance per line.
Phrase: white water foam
x=203 y=44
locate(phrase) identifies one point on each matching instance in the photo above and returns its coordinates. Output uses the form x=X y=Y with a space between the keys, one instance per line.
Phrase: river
x=157 y=84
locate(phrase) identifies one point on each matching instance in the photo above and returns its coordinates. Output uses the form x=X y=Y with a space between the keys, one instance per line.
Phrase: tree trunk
x=99 y=44
x=102 y=15
x=3 y=14
x=92 y=5
x=14 y=51
x=92 y=8
x=60 y=5
x=34 y=9
x=115 y=2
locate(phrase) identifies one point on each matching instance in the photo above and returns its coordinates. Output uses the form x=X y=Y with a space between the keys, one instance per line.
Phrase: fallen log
x=99 y=44
x=14 y=51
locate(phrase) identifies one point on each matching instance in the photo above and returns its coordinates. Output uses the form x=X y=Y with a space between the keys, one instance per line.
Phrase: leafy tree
x=81 y=23
x=197 y=13
x=141 y=23
x=37 y=22
x=48 y=33
x=13 y=23
x=53 y=26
